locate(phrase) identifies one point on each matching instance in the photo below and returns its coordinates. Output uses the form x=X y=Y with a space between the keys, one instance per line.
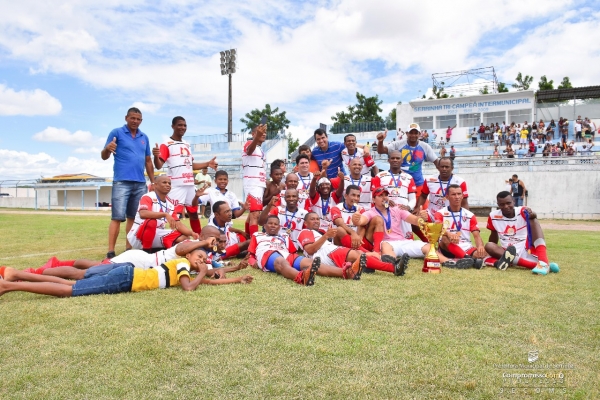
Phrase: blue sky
x=69 y=70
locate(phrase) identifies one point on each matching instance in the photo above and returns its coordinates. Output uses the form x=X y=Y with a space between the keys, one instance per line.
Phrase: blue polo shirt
x=333 y=152
x=130 y=156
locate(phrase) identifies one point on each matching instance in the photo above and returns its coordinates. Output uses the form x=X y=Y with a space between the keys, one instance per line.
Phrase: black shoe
x=478 y=263
x=462 y=263
x=368 y=271
x=401 y=264
x=111 y=254
x=507 y=258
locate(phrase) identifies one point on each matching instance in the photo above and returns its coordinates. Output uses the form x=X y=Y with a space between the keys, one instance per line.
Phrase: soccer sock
x=66 y=263
x=490 y=261
x=247 y=226
x=252 y=229
x=148 y=232
x=375 y=263
x=540 y=250
x=231 y=251
x=456 y=250
x=521 y=262
x=417 y=231
x=377 y=239
x=346 y=241
x=195 y=225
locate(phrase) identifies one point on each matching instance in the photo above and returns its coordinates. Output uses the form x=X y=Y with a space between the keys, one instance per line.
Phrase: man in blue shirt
x=129 y=183
x=327 y=150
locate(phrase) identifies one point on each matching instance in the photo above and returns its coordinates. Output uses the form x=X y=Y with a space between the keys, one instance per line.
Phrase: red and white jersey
x=262 y=245
x=253 y=167
x=364 y=183
x=290 y=221
x=437 y=189
x=151 y=202
x=358 y=153
x=463 y=221
x=177 y=156
x=342 y=211
x=304 y=181
x=225 y=230
x=308 y=236
x=323 y=210
x=511 y=231
x=398 y=185
x=303 y=202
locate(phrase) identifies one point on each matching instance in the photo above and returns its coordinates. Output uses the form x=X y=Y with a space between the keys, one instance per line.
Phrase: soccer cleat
x=111 y=254
x=400 y=264
x=307 y=277
x=216 y=264
x=462 y=263
x=478 y=263
x=507 y=258
x=554 y=268
x=541 y=269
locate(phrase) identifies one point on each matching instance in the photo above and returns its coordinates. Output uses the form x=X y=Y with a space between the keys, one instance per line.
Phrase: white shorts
x=157 y=242
x=523 y=141
x=256 y=194
x=183 y=194
x=524 y=254
x=411 y=247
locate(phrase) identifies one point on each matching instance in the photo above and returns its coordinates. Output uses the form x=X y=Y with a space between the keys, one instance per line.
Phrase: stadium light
x=228 y=64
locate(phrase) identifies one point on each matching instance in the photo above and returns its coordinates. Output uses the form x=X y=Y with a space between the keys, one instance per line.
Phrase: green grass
x=419 y=336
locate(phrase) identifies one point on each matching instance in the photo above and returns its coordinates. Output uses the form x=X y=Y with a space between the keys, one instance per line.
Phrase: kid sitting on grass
x=116 y=278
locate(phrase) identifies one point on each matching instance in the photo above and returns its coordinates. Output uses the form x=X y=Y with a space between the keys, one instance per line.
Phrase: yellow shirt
x=524 y=133
x=163 y=276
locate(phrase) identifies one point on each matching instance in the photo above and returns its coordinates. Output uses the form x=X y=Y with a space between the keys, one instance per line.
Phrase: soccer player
x=292 y=182
x=254 y=175
x=352 y=152
x=356 y=178
x=237 y=241
x=291 y=217
x=177 y=155
x=155 y=211
x=521 y=238
x=275 y=253
x=326 y=150
x=321 y=198
x=435 y=188
x=120 y=278
x=221 y=193
x=349 y=235
x=397 y=241
x=456 y=242
x=304 y=175
x=275 y=186
x=317 y=245
x=399 y=185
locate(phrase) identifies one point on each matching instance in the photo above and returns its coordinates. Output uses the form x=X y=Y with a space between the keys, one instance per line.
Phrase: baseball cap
x=412 y=126
x=379 y=191
x=323 y=180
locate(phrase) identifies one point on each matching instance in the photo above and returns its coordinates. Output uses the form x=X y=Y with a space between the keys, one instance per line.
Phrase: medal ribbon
x=459 y=223
x=396 y=182
x=287 y=221
x=219 y=228
x=353 y=209
x=357 y=184
x=442 y=187
x=325 y=207
x=388 y=220
x=304 y=185
x=161 y=207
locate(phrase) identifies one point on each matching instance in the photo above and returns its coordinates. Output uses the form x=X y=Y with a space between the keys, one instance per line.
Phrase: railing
x=362 y=127
x=222 y=138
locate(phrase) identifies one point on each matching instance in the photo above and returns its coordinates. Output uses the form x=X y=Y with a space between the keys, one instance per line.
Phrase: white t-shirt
x=253 y=167
x=213 y=195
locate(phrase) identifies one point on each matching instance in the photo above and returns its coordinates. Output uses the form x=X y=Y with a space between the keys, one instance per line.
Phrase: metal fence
x=222 y=138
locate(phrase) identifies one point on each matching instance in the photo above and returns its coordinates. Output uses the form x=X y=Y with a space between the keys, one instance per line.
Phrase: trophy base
x=432 y=266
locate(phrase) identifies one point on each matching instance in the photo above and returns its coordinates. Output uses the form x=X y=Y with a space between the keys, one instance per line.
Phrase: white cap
x=412 y=126
x=323 y=180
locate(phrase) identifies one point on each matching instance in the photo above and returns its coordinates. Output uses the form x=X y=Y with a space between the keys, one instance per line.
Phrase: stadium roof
x=586 y=92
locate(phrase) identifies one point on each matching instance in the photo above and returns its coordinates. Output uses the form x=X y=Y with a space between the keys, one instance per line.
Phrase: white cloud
x=147 y=108
x=27 y=102
x=61 y=135
x=23 y=165
x=88 y=150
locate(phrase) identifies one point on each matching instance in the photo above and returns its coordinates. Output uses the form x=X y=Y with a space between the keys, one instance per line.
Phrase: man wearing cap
x=321 y=198
x=413 y=152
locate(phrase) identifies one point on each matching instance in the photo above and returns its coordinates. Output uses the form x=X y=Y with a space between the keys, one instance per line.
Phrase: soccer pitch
x=462 y=334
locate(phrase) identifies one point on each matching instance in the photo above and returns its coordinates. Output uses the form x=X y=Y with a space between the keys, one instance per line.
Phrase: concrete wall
x=89 y=200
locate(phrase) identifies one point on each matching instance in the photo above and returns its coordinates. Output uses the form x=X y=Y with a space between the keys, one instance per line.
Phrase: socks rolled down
x=375 y=263
x=456 y=250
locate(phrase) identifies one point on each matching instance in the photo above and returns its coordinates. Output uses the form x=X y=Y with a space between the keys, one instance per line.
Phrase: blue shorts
x=105 y=279
x=125 y=199
x=270 y=264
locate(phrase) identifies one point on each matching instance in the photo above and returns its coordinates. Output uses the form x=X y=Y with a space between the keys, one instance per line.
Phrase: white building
x=467 y=112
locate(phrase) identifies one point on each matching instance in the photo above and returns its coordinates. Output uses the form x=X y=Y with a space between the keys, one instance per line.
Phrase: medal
x=387 y=220
x=215 y=249
x=288 y=222
x=289 y=231
x=386 y=204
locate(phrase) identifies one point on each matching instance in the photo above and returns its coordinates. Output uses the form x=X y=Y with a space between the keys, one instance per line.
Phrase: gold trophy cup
x=433 y=231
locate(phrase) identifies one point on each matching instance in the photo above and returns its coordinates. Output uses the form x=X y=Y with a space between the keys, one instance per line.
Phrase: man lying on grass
x=116 y=278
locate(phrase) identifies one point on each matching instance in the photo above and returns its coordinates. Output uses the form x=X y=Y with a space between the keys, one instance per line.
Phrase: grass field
x=447 y=336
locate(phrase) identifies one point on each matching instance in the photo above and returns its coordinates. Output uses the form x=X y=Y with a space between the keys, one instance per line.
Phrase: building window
x=469 y=120
x=445 y=121
x=493 y=118
x=519 y=116
x=424 y=122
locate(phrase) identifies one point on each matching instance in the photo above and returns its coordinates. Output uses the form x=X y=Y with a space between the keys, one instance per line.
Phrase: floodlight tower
x=228 y=67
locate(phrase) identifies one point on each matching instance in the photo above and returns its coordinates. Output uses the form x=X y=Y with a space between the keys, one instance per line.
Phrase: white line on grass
x=47 y=254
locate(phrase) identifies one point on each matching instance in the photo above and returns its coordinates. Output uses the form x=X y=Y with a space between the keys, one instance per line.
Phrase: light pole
x=228 y=67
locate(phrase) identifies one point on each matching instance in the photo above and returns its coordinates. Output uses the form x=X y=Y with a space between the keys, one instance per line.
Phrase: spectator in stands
x=449 y=133
x=513 y=132
x=486 y=133
x=314 y=166
x=400 y=134
x=528 y=128
x=496 y=153
x=592 y=128
x=425 y=136
x=547 y=150
x=496 y=137
x=443 y=151
x=523 y=137
x=532 y=148
x=518 y=190
x=481 y=131
x=510 y=153
x=452 y=153
x=578 y=128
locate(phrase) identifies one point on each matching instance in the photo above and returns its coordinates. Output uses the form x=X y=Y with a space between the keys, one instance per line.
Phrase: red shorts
x=366 y=244
x=339 y=256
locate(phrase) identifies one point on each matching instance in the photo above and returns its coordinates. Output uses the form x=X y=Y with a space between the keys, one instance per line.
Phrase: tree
x=565 y=84
x=502 y=87
x=484 y=90
x=366 y=109
x=292 y=143
x=545 y=84
x=522 y=83
x=276 y=120
x=391 y=118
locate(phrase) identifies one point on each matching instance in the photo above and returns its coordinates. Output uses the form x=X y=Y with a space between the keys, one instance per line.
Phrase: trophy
x=433 y=231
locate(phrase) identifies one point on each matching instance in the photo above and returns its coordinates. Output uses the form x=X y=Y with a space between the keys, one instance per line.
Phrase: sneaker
x=368 y=271
x=355 y=270
x=541 y=269
x=463 y=263
x=111 y=254
x=307 y=277
x=216 y=264
x=388 y=259
x=554 y=268
x=478 y=263
x=400 y=264
x=507 y=258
